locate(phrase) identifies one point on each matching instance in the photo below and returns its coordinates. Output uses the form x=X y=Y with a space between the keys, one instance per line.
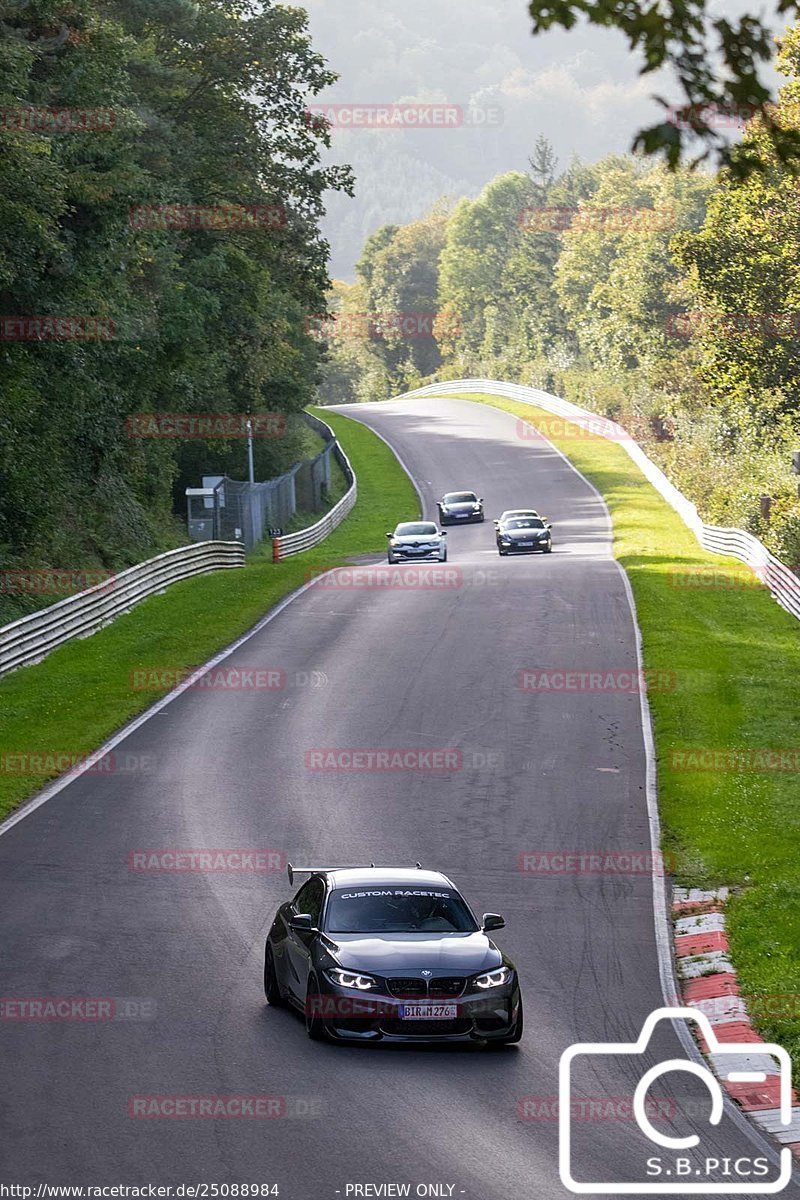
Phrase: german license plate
x=429 y=1012
x=526 y=544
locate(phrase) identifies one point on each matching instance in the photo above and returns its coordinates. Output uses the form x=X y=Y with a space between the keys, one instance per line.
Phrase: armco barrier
x=32 y=638
x=304 y=539
x=783 y=584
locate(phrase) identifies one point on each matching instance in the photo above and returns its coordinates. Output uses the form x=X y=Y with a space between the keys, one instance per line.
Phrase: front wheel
x=501 y=552
x=272 y=989
x=548 y=548
x=443 y=557
x=391 y=559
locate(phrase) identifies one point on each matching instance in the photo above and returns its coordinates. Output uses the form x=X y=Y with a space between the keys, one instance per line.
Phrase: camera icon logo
x=741 y=1055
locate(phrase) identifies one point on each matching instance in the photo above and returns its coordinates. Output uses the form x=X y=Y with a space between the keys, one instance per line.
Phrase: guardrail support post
x=276 y=550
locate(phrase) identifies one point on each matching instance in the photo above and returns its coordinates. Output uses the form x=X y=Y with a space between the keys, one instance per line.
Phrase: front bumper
x=412 y=556
x=454 y=519
x=377 y=1018
x=515 y=548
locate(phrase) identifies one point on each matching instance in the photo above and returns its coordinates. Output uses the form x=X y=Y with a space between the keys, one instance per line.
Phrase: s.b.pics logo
x=671 y=1159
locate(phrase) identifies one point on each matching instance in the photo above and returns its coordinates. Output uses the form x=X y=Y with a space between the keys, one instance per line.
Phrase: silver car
x=417 y=541
x=511 y=513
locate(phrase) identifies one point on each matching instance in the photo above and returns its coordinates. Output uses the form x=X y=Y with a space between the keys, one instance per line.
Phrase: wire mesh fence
x=234 y=510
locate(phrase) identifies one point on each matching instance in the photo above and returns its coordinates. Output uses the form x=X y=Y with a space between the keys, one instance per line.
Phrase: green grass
x=81 y=694
x=735 y=655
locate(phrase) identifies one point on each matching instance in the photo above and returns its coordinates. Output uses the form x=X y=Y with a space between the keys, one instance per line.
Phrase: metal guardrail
x=304 y=539
x=782 y=582
x=31 y=638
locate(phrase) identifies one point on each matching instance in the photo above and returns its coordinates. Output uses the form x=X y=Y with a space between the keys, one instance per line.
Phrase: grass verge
x=734 y=656
x=82 y=693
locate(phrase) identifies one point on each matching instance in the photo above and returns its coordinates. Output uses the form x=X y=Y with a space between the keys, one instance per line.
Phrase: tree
x=541 y=328
x=616 y=278
x=743 y=273
x=481 y=235
x=715 y=60
x=208 y=100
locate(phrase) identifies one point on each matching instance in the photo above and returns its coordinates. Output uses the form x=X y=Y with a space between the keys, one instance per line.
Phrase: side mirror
x=443 y=532
x=492 y=921
x=390 y=535
x=481 y=500
x=549 y=526
x=302 y=923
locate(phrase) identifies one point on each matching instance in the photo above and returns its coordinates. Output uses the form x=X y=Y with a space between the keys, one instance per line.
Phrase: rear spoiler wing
x=291 y=871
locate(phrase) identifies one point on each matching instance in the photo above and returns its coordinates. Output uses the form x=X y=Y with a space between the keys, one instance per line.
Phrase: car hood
x=522 y=535
x=402 y=952
x=417 y=539
x=462 y=506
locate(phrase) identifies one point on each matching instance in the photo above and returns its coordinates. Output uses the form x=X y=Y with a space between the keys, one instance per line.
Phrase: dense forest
x=160 y=197
x=668 y=300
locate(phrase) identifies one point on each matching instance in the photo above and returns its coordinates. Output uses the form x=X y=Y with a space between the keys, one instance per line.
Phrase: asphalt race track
x=542 y=771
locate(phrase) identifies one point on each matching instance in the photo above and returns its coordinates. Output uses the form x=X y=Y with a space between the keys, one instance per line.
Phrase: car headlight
x=353 y=979
x=492 y=979
x=505 y=541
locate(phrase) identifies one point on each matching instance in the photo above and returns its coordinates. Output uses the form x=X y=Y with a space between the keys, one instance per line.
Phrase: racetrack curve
x=402 y=667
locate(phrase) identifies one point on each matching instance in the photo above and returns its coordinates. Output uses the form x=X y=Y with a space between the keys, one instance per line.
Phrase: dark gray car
x=460 y=508
x=375 y=954
x=524 y=535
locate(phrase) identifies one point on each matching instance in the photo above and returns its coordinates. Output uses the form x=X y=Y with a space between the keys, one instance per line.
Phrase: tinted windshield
x=525 y=523
x=510 y=516
x=421 y=529
x=398 y=910
x=460 y=498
